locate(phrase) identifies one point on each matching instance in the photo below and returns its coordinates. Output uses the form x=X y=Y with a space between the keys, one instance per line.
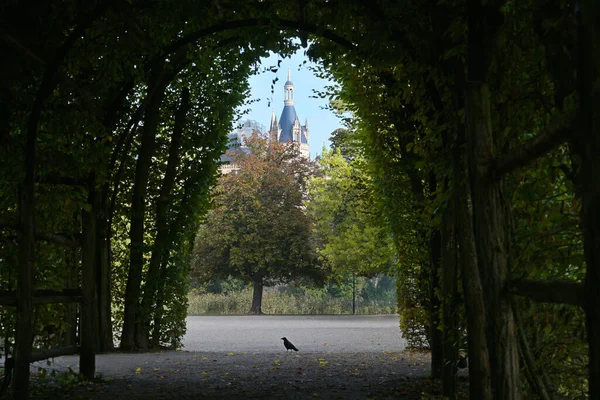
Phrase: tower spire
x=274 y=128
x=288 y=90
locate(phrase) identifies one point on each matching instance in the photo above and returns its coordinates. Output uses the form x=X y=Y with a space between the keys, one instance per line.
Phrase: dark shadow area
x=192 y=375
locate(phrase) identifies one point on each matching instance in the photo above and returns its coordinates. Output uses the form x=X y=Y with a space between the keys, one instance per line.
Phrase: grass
x=311 y=301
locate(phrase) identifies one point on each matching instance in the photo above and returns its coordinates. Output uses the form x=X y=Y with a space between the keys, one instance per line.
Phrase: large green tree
x=258 y=230
x=352 y=238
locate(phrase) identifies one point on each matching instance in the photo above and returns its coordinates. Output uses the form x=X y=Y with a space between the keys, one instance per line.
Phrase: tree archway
x=68 y=106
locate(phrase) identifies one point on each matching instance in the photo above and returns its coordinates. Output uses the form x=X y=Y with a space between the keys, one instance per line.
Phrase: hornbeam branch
x=559 y=292
x=43 y=296
x=56 y=238
x=557 y=133
x=54 y=352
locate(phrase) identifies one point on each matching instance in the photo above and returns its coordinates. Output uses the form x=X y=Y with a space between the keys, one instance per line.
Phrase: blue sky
x=321 y=122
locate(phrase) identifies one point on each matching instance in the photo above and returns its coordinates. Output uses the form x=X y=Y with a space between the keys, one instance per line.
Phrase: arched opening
x=86 y=117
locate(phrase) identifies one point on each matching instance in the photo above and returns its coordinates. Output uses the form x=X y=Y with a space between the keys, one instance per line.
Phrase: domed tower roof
x=286 y=122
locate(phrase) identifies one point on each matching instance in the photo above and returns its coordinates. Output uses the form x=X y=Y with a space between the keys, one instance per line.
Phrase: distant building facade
x=235 y=142
x=286 y=129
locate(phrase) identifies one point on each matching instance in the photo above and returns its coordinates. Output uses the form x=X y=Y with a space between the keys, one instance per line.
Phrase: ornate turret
x=290 y=129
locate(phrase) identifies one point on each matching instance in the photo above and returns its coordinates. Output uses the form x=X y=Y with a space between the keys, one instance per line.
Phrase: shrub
x=294 y=300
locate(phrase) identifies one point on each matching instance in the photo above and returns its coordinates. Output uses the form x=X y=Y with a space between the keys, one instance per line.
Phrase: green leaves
x=351 y=237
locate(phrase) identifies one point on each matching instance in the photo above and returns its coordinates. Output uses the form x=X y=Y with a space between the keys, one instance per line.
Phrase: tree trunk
x=26 y=277
x=70 y=335
x=489 y=220
x=480 y=385
x=449 y=305
x=25 y=289
x=353 y=294
x=536 y=376
x=587 y=147
x=103 y=282
x=175 y=229
x=89 y=326
x=437 y=357
x=590 y=224
x=257 y=294
x=492 y=243
x=138 y=209
x=161 y=241
x=158 y=312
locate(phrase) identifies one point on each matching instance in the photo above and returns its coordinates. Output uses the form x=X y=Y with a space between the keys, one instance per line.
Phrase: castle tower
x=290 y=129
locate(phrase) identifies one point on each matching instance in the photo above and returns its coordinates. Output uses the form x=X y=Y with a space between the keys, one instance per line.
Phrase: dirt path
x=219 y=375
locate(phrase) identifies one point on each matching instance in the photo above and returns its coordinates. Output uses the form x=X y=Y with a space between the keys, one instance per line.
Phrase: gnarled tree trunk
x=489 y=219
x=491 y=238
x=480 y=385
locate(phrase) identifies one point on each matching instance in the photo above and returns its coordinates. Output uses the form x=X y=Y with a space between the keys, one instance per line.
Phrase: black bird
x=288 y=345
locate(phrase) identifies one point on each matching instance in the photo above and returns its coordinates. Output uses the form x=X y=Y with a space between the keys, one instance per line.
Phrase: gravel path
x=243 y=357
x=192 y=375
x=310 y=333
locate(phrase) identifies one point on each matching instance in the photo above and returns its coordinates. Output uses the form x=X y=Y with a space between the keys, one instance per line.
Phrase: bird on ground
x=288 y=345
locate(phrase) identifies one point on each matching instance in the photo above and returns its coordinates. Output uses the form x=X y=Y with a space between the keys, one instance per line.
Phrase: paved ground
x=329 y=334
x=340 y=357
